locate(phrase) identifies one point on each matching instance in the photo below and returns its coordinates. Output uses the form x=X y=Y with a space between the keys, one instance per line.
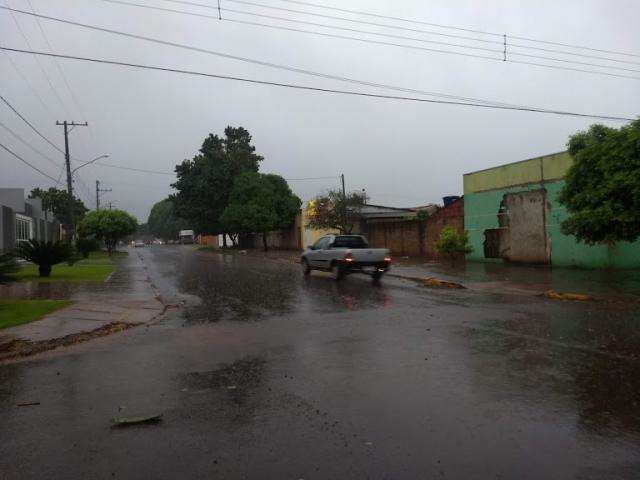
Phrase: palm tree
x=44 y=254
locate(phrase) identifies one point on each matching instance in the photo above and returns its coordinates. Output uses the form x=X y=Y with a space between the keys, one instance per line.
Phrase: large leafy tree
x=163 y=221
x=602 y=187
x=336 y=211
x=108 y=226
x=204 y=183
x=260 y=203
x=57 y=201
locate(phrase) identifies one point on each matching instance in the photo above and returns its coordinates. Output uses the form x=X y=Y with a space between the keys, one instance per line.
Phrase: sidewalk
x=507 y=278
x=126 y=299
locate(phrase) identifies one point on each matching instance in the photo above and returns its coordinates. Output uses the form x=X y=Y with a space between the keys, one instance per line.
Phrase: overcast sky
x=402 y=153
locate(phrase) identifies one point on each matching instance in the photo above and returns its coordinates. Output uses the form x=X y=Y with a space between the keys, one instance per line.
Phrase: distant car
x=138 y=243
x=344 y=254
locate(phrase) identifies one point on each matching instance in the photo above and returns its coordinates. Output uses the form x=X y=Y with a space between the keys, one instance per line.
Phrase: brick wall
x=451 y=216
x=401 y=237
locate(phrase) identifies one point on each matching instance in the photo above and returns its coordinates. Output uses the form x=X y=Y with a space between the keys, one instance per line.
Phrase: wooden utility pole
x=67 y=158
x=98 y=192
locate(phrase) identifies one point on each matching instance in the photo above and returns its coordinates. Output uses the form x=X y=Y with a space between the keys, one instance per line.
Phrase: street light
x=91 y=161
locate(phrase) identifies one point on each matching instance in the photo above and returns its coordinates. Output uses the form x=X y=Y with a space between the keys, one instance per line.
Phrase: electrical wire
x=26 y=163
x=274 y=65
x=418 y=22
x=411 y=47
x=28 y=83
x=42 y=69
x=390 y=26
x=30 y=124
x=59 y=67
x=314 y=89
x=31 y=147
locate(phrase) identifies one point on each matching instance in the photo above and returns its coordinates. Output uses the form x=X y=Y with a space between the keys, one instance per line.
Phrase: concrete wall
x=488 y=198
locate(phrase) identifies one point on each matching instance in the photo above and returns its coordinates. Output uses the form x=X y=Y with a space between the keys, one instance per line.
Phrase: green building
x=512 y=213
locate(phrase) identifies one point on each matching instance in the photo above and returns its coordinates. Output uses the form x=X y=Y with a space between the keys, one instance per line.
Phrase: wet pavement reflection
x=272 y=375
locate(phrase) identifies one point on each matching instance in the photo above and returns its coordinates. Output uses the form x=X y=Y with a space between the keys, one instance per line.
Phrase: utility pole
x=344 y=202
x=67 y=158
x=98 y=192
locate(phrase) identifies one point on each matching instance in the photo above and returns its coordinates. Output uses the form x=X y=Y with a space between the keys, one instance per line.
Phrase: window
x=322 y=244
x=24 y=228
x=350 y=241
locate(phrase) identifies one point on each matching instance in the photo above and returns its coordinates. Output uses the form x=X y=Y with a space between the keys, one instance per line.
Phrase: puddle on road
x=589 y=354
x=239 y=288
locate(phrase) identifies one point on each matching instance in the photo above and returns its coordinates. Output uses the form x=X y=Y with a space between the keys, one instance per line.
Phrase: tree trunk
x=264 y=241
x=44 y=270
x=224 y=240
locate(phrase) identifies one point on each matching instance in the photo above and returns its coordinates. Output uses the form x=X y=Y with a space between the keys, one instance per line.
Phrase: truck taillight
x=348 y=257
x=387 y=259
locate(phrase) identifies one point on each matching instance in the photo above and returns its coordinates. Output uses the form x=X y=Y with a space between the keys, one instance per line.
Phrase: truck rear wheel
x=337 y=272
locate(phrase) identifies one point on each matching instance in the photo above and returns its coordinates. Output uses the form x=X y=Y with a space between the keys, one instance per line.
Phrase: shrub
x=44 y=254
x=8 y=264
x=452 y=245
x=86 y=245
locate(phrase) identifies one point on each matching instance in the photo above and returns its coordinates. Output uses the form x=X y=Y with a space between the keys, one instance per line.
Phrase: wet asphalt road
x=271 y=375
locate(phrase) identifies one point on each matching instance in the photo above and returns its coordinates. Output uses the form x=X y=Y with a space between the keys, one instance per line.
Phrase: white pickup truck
x=343 y=254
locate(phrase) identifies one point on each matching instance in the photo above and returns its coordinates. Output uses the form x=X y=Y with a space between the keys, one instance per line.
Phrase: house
x=512 y=213
x=24 y=219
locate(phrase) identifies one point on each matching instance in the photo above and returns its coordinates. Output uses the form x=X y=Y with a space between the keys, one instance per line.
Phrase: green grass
x=17 y=312
x=96 y=268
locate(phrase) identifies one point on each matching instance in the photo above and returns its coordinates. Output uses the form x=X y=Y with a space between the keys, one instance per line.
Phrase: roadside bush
x=453 y=245
x=8 y=264
x=44 y=254
x=85 y=246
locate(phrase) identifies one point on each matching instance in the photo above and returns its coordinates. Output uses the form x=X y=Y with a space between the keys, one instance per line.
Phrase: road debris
x=437 y=283
x=553 y=295
x=27 y=404
x=127 y=421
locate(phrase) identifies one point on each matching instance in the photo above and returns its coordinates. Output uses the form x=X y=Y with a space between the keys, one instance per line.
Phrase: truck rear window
x=350 y=242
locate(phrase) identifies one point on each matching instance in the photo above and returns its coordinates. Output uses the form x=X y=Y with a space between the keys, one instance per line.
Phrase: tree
x=57 y=201
x=204 y=183
x=163 y=222
x=260 y=203
x=602 y=187
x=44 y=254
x=452 y=245
x=108 y=226
x=336 y=211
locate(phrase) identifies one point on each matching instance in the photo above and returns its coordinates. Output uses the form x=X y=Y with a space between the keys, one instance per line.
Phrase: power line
x=46 y=76
x=397 y=27
x=418 y=22
x=411 y=47
x=316 y=89
x=27 y=82
x=275 y=65
x=269 y=64
x=59 y=67
x=27 y=163
x=27 y=144
x=30 y=124
x=322 y=25
x=141 y=170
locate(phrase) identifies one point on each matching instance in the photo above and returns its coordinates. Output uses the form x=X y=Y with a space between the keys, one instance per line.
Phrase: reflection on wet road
x=270 y=375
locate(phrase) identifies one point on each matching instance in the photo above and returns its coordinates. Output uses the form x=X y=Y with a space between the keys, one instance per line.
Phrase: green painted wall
x=484 y=191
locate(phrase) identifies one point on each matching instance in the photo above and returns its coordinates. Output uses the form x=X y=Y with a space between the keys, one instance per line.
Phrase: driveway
x=265 y=374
